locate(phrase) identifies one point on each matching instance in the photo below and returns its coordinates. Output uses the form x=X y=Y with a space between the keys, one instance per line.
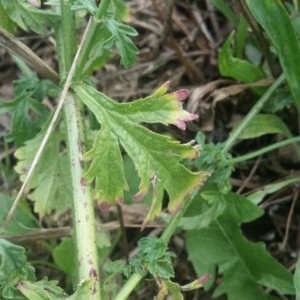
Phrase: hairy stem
x=83 y=208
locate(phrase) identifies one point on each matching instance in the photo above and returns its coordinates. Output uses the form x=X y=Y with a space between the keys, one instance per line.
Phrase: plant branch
x=254 y=111
x=265 y=150
x=82 y=201
x=60 y=232
x=83 y=208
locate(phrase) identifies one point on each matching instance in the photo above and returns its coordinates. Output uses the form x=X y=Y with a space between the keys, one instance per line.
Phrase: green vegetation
x=75 y=159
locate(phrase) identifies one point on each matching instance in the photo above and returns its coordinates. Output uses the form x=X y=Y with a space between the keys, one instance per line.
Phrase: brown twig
x=247 y=180
x=289 y=220
x=60 y=232
x=124 y=235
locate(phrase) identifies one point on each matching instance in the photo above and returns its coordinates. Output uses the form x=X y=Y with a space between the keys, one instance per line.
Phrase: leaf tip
x=139 y=196
x=166 y=85
x=181 y=95
x=180 y=123
x=196 y=284
x=162 y=89
x=204 y=278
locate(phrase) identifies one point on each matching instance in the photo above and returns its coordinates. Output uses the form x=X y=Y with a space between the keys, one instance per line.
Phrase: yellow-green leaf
x=157 y=158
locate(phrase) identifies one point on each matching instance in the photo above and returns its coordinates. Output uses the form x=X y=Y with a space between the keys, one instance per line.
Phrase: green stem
x=264 y=150
x=83 y=209
x=128 y=287
x=67 y=39
x=87 y=47
x=255 y=110
x=132 y=282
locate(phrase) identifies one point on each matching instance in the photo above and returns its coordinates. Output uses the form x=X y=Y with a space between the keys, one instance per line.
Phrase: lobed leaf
x=42 y=290
x=13 y=268
x=89 y=5
x=50 y=184
x=29 y=17
x=120 y=36
x=156 y=157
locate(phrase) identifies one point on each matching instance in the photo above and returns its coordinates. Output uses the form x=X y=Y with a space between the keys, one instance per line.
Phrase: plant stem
x=264 y=150
x=255 y=110
x=87 y=47
x=67 y=38
x=83 y=208
x=129 y=286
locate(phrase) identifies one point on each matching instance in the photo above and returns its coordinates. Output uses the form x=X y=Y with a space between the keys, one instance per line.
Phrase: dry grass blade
x=12 y=45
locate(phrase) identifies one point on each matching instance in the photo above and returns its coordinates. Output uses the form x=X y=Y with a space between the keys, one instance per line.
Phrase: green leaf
x=133 y=181
x=89 y=5
x=152 y=256
x=24 y=127
x=214 y=207
x=41 y=290
x=169 y=288
x=83 y=290
x=244 y=265
x=113 y=267
x=29 y=17
x=156 y=157
x=239 y=69
x=23 y=220
x=274 y=19
x=258 y=196
x=214 y=161
x=120 y=36
x=13 y=268
x=121 y=10
x=297 y=279
x=262 y=124
x=65 y=258
x=29 y=114
x=51 y=181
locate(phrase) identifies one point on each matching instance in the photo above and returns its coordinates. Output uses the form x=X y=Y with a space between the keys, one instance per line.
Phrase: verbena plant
x=65 y=163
